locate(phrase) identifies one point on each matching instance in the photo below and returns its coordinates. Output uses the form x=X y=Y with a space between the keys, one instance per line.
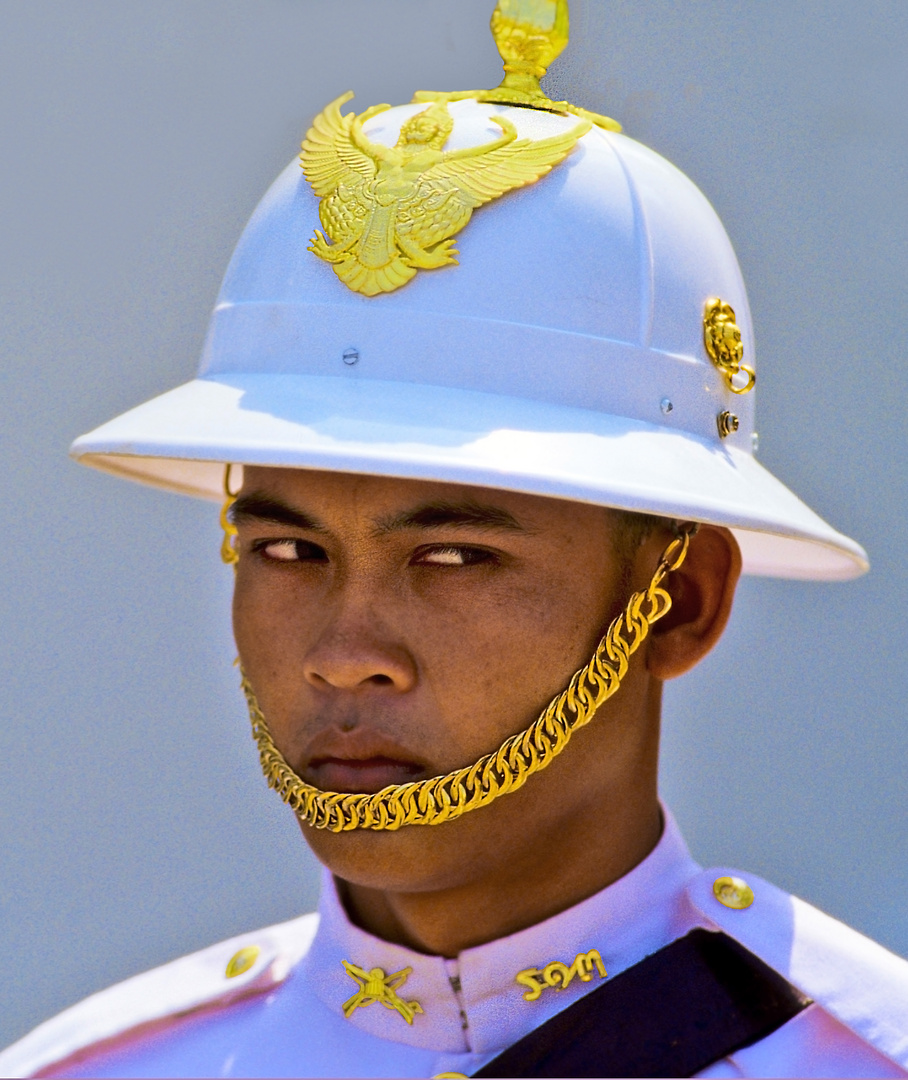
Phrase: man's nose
x=356 y=652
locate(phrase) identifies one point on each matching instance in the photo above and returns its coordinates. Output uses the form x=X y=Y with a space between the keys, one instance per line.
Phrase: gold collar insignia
x=375 y=985
x=558 y=975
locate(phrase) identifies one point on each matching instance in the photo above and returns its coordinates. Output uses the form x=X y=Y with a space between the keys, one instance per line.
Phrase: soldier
x=480 y=508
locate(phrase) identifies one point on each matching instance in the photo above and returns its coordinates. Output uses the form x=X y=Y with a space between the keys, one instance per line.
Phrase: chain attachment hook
x=229 y=554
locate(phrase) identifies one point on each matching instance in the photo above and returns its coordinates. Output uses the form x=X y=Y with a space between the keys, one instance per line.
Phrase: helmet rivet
x=351 y=357
x=666 y=405
x=726 y=422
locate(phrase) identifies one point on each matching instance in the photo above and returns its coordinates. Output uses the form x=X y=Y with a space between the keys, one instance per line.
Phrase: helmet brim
x=181 y=440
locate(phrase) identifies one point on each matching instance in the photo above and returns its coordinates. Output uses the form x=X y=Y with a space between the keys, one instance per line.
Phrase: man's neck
x=582 y=860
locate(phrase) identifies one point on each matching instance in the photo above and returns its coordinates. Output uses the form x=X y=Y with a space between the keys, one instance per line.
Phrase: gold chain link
x=444 y=798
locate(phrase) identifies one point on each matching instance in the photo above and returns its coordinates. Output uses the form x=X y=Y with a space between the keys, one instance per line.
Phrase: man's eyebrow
x=259 y=507
x=436 y=515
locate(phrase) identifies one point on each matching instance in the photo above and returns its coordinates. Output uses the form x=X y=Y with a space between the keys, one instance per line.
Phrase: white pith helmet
x=563 y=356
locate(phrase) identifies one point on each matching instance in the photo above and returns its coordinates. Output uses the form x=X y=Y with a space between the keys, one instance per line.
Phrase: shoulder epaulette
x=857 y=981
x=217 y=976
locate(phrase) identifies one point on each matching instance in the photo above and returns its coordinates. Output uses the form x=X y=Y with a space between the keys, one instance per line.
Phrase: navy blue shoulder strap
x=685 y=1007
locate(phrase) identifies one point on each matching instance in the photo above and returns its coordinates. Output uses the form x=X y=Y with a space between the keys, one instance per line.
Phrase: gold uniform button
x=241 y=962
x=733 y=892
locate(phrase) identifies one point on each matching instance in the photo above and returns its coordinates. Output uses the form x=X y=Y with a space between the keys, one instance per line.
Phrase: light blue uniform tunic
x=285 y=1015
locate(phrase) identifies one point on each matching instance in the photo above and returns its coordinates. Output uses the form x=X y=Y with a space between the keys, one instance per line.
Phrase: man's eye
x=453 y=556
x=291 y=551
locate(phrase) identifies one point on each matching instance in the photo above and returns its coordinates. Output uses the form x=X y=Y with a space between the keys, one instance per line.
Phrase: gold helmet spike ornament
x=529 y=34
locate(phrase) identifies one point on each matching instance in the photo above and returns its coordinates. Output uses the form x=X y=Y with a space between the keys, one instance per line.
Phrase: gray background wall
x=136 y=137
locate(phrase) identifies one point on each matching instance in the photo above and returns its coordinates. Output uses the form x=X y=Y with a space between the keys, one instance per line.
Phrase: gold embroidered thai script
x=558 y=975
x=375 y=985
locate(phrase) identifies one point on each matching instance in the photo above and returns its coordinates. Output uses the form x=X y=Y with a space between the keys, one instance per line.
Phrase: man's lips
x=361 y=760
x=360 y=775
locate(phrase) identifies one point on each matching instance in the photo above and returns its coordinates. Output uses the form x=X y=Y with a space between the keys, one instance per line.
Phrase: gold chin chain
x=444 y=798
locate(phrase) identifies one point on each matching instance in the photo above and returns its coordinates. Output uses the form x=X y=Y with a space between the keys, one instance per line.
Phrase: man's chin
x=413 y=859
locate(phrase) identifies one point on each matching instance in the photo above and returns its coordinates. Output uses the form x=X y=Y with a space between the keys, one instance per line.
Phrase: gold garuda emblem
x=389 y=211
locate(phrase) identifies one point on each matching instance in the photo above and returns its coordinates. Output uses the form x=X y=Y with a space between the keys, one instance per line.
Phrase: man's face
x=396 y=630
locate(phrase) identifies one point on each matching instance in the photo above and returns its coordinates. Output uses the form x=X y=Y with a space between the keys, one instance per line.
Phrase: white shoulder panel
x=853 y=978
x=174 y=989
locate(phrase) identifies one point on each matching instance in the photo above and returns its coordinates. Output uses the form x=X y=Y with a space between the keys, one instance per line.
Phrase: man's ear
x=702 y=592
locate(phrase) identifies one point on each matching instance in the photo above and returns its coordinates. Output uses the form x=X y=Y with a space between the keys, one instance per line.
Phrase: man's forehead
x=390 y=502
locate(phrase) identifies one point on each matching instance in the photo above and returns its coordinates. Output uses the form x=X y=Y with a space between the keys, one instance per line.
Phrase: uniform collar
x=473 y=1003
